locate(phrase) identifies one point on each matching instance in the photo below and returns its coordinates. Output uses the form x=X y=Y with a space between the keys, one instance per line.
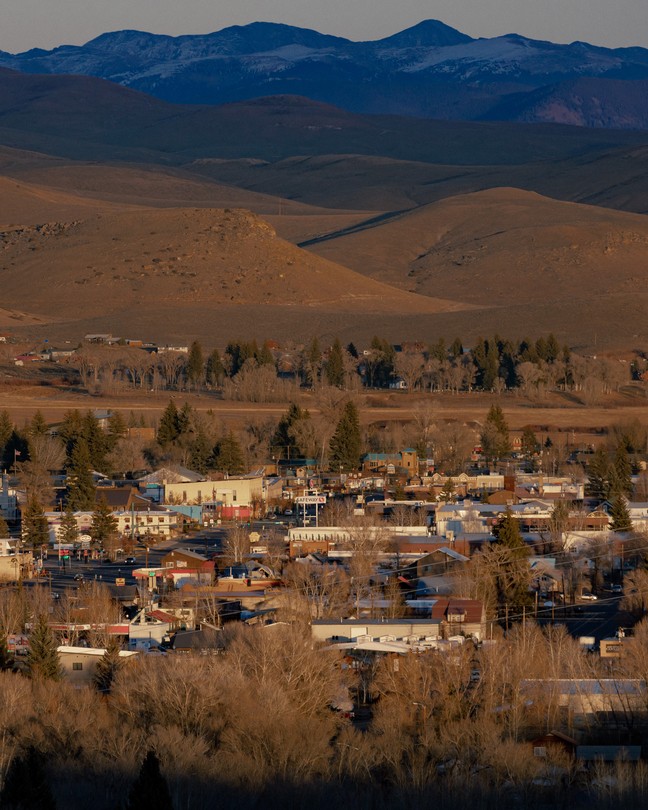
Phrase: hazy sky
x=46 y=23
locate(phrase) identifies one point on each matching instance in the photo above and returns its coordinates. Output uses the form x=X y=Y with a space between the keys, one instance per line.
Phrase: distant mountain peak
x=427 y=34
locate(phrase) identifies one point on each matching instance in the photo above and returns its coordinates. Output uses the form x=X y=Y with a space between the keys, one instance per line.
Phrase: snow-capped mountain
x=429 y=70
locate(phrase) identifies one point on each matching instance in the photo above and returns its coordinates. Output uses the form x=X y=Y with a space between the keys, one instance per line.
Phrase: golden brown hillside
x=543 y=264
x=167 y=268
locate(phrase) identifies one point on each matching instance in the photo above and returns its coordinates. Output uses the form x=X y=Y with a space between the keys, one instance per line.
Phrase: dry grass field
x=558 y=415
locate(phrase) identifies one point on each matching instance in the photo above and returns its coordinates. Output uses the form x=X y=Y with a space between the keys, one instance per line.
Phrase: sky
x=48 y=23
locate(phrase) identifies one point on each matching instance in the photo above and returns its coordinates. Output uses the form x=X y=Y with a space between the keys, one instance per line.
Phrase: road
x=600 y=619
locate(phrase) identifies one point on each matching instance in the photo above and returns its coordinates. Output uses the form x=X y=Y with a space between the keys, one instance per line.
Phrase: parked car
x=78 y=577
x=616 y=588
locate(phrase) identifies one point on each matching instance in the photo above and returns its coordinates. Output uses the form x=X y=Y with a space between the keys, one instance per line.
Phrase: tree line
x=250 y=371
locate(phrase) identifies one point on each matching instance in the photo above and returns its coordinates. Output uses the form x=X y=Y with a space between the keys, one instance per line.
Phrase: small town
x=323 y=405
x=477 y=573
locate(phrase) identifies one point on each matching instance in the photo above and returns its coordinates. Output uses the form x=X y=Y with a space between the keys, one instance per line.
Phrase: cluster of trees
x=257 y=724
x=253 y=372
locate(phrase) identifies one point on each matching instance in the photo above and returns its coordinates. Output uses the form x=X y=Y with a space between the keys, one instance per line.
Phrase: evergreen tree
x=96 y=440
x=117 y=429
x=26 y=786
x=351 y=349
x=104 y=523
x=623 y=470
x=37 y=425
x=215 y=369
x=598 y=475
x=43 y=659
x=530 y=444
x=507 y=533
x=553 y=348
x=228 y=456
x=80 y=489
x=510 y=571
x=6 y=659
x=185 y=418
x=195 y=368
x=346 y=443
x=495 y=435
x=35 y=532
x=7 y=427
x=335 y=365
x=384 y=356
x=108 y=666
x=69 y=530
x=265 y=356
x=16 y=449
x=70 y=430
x=456 y=349
x=479 y=359
x=200 y=452
x=150 y=790
x=284 y=442
x=619 y=515
x=312 y=362
x=169 y=427
x=491 y=366
x=438 y=350
x=448 y=491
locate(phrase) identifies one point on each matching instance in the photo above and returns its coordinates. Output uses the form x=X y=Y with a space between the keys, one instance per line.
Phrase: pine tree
x=70 y=430
x=169 y=427
x=495 y=435
x=195 y=369
x=37 y=425
x=346 y=443
x=35 y=532
x=108 y=666
x=284 y=442
x=623 y=470
x=117 y=429
x=104 y=523
x=6 y=659
x=491 y=367
x=200 y=452
x=312 y=362
x=215 y=369
x=509 y=568
x=447 y=493
x=228 y=456
x=7 y=427
x=185 y=416
x=26 y=786
x=384 y=356
x=69 y=530
x=43 y=659
x=456 y=349
x=150 y=790
x=619 y=515
x=530 y=445
x=507 y=533
x=598 y=475
x=80 y=491
x=335 y=365
x=264 y=356
x=96 y=440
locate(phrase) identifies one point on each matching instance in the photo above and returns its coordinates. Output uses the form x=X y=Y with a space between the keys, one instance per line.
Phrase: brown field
x=558 y=414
